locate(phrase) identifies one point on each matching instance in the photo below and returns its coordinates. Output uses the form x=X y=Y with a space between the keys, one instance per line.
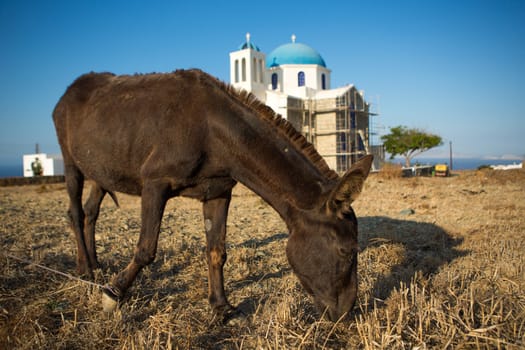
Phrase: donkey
x=188 y=134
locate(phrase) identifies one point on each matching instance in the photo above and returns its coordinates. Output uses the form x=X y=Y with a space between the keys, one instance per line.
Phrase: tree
x=409 y=142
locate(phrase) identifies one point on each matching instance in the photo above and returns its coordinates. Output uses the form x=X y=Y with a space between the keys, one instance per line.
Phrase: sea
x=461 y=163
x=11 y=170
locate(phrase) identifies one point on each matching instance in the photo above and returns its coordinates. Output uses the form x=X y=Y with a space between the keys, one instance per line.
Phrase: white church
x=294 y=81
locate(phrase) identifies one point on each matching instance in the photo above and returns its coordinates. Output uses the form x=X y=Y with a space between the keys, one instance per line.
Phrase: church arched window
x=275 y=80
x=261 y=72
x=243 y=69
x=236 y=71
x=300 y=78
x=323 y=81
x=255 y=71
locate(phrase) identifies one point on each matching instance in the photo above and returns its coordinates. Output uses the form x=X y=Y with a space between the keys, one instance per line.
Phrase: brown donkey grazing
x=188 y=134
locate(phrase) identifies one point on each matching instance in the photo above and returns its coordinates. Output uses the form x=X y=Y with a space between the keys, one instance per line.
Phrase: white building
x=295 y=81
x=47 y=165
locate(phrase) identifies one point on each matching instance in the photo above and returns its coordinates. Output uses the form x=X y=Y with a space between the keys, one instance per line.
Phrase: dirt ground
x=441 y=265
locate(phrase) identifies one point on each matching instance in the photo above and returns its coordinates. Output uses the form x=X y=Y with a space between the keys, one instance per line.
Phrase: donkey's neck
x=271 y=165
x=283 y=187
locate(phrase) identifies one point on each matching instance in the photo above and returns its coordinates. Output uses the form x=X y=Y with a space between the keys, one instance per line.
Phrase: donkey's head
x=322 y=248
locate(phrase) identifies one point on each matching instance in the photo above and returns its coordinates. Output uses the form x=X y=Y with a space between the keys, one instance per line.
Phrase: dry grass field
x=441 y=267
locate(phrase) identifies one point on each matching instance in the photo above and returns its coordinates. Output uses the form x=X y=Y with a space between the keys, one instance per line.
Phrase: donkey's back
x=118 y=130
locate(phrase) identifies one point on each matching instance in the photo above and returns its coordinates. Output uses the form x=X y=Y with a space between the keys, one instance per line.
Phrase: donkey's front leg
x=215 y=215
x=154 y=197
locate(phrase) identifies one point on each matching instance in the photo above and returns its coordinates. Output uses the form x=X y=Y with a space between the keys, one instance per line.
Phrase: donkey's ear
x=350 y=185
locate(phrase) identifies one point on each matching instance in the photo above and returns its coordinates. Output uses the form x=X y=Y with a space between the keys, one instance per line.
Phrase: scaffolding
x=338 y=127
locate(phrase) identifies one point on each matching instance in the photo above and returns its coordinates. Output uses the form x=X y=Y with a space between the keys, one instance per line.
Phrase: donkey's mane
x=280 y=124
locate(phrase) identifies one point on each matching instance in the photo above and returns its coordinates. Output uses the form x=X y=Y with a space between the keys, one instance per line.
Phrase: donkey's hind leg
x=75 y=185
x=92 y=209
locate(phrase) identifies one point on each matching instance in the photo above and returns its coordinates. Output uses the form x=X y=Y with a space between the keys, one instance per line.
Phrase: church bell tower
x=247 y=68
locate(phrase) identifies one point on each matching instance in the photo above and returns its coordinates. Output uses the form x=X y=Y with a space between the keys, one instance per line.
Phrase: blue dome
x=294 y=53
x=248 y=45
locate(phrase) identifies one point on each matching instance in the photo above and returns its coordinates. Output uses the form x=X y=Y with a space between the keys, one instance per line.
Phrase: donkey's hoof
x=109 y=299
x=108 y=304
x=224 y=315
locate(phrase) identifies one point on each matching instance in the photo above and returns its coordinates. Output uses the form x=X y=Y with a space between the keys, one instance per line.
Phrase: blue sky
x=454 y=68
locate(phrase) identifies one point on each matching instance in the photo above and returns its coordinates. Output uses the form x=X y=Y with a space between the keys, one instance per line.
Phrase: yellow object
x=441 y=170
